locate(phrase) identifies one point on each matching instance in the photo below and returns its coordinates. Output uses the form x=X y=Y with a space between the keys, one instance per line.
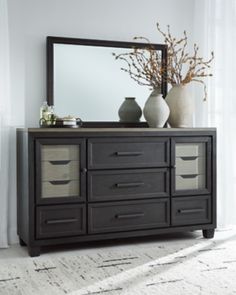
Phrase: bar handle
x=189 y=158
x=123 y=154
x=59 y=221
x=58 y=182
x=129 y=184
x=189 y=176
x=129 y=216
x=60 y=162
x=187 y=211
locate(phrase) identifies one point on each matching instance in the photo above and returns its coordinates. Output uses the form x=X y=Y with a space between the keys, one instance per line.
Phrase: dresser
x=91 y=184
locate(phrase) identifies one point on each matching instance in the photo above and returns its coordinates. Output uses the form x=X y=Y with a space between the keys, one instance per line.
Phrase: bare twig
x=144 y=65
x=183 y=68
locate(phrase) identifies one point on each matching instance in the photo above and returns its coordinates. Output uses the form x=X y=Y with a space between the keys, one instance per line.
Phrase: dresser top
x=114 y=130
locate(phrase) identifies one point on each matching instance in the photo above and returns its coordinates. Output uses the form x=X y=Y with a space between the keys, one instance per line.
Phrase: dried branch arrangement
x=183 y=68
x=145 y=67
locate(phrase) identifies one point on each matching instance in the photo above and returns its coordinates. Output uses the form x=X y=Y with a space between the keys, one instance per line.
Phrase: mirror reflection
x=87 y=81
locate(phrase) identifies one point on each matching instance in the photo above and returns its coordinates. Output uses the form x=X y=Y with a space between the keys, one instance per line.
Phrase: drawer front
x=125 y=216
x=60 y=221
x=190 y=182
x=190 y=150
x=59 y=152
x=60 y=170
x=60 y=188
x=191 y=210
x=128 y=184
x=190 y=165
x=128 y=153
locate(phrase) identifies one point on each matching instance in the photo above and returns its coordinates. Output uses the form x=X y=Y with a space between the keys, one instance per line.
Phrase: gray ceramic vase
x=130 y=111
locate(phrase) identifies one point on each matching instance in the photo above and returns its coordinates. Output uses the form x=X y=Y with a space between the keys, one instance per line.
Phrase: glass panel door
x=191 y=165
x=58 y=172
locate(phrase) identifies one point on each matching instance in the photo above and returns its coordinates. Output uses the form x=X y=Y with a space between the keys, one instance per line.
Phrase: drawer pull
x=58 y=221
x=189 y=176
x=129 y=153
x=187 y=211
x=130 y=184
x=128 y=216
x=60 y=162
x=189 y=158
x=58 y=182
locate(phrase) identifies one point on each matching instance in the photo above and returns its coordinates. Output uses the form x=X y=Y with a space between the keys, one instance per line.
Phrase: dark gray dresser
x=90 y=184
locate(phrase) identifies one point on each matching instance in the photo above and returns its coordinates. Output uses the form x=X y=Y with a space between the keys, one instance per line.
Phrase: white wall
x=30 y=21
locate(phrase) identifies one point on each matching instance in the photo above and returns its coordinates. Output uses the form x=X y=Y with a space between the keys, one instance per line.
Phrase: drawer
x=190 y=182
x=59 y=152
x=60 y=188
x=191 y=210
x=128 y=152
x=190 y=149
x=125 y=216
x=128 y=184
x=190 y=165
x=60 y=170
x=60 y=221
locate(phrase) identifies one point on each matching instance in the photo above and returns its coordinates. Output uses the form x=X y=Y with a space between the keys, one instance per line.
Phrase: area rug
x=167 y=266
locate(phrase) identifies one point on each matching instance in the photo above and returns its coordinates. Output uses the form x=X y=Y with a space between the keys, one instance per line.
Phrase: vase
x=181 y=104
x=156 y=110
x=129 y=110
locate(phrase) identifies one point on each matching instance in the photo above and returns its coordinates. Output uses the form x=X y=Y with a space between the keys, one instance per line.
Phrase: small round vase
x=181 y=104
x=156 y=110
x=130 y=111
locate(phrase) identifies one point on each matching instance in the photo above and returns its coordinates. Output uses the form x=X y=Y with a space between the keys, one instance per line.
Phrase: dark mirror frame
x=102 y=43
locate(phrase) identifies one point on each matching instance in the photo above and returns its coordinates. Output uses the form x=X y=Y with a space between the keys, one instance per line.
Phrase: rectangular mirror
x=85 y=80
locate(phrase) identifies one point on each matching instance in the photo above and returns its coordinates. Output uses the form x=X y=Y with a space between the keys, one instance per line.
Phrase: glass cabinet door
x=191 y=166
x=60 y=171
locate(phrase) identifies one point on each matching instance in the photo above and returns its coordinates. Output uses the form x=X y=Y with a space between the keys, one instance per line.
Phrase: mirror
x=85 y=80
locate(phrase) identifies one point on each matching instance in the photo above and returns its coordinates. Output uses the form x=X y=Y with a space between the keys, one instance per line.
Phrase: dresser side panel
x=22 y=186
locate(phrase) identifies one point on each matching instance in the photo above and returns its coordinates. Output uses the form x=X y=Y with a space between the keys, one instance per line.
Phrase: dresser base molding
x=41 y=244
x=116 y=183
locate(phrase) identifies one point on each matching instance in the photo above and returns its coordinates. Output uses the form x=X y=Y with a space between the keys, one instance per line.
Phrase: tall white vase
x=156 y=110
x=181 y=104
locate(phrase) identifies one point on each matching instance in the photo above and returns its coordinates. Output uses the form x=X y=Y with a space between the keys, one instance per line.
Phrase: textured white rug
x=167 y=265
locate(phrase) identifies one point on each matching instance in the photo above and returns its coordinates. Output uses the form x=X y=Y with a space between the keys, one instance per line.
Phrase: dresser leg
x=34 y=251
x=21 y=242
x=208 y=233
